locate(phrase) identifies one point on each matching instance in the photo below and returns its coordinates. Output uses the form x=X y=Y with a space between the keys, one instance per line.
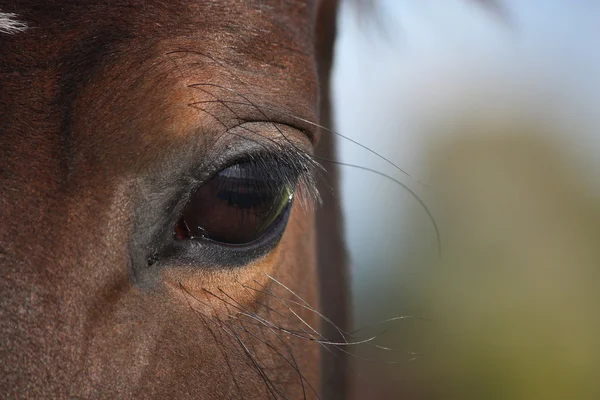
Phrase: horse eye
x=237 y=206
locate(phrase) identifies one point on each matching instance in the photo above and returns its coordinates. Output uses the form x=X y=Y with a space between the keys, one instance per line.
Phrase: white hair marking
x=10 y=25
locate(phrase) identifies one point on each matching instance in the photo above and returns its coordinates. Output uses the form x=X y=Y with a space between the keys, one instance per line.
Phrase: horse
x=157 y=171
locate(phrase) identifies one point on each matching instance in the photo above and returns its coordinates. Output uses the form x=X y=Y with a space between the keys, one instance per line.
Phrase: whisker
x=293 y=363
x=260 y=370
x=308 y=306
x=331 y=343
x=396 y=181
x=260 y=319
x=247 y=102
x=270 y=385
x=290 y=309
x=316 y=125
x=413 y=194
x=393 y=319
x=204 y=317
x=325 y=344
x=342 y=332
x=271 y=325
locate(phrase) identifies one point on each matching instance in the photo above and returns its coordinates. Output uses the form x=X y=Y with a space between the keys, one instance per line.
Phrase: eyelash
x=287 y=166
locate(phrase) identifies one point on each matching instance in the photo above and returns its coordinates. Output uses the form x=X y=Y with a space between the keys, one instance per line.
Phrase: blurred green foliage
x=513 y=301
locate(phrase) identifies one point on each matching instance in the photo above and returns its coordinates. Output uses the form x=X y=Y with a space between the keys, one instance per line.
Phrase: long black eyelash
x=285 y=166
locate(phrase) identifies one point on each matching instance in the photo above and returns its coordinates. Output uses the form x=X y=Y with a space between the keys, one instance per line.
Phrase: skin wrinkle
x=72 y=321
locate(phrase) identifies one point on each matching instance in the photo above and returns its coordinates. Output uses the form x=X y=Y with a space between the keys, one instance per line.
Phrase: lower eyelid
x=208 y=254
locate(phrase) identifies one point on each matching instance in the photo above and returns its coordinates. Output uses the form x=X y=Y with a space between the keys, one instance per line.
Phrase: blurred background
x=488 y=110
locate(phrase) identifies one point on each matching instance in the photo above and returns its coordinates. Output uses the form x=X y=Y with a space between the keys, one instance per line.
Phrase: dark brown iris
x=237 y=206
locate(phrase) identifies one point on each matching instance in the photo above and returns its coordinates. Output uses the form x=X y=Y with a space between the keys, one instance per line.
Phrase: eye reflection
x=237 y=206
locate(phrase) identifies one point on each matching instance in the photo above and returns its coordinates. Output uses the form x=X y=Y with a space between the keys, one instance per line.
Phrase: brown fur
x=96 y=126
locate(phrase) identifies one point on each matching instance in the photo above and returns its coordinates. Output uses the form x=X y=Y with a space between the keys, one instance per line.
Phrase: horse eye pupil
x=237 y=206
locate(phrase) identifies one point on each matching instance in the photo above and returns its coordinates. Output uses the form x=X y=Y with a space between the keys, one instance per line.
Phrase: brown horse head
x=155 y=176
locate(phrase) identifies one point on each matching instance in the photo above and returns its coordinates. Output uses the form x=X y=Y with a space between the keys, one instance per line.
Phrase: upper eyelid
x=264 y=112
x=189 y=166
x=283 y=166
x=253 y=138
x=279 y=126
